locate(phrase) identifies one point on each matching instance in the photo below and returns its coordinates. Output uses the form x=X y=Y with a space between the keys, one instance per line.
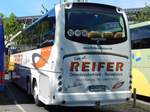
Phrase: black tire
x=28 y=87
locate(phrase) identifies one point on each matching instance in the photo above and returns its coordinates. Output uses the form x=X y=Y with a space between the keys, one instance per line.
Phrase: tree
x=11 y=25
x=1 y=15
x=144 y=15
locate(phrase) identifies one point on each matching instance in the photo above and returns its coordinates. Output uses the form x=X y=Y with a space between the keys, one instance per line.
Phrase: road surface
x=16 y=100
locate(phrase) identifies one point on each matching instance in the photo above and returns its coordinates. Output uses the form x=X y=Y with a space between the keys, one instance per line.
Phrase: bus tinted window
x=89 y=26
x=48 y=31
x=140 y=33
x=140 y=37
x=41 y=34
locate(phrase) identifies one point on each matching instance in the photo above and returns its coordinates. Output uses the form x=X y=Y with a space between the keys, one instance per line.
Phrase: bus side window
x=48 y=32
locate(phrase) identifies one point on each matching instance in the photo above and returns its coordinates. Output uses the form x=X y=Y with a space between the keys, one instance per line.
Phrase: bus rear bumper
x=91 y=99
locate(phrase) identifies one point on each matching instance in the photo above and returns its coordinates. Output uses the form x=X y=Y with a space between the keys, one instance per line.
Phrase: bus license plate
x=97 y=88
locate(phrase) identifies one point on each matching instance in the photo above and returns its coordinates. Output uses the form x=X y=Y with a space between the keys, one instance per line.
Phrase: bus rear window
x=91 y=26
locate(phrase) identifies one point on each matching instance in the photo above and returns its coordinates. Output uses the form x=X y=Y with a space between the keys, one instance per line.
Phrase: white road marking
x=15 y=101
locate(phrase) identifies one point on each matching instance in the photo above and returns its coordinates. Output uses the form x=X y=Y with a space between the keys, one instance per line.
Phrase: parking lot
x=16 y=100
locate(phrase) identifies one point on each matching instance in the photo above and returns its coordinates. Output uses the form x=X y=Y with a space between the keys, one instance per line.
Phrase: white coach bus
x=78 y=54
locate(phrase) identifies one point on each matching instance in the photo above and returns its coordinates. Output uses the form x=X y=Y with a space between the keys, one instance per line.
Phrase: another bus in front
x=94 y=55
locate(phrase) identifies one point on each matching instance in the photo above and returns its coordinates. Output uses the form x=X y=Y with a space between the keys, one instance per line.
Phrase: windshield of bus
x=93 y=26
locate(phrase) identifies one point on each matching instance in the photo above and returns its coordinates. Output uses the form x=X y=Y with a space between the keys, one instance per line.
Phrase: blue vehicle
x=2 y=52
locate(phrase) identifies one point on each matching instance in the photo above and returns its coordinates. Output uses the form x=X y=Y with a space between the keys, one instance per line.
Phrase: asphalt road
x=16 y=100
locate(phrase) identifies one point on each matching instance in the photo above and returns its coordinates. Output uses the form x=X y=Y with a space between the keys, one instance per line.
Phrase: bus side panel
x=35 y=64
x=141 y=66
x=2 y=47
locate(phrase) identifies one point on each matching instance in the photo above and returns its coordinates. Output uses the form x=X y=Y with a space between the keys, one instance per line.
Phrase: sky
x=33 y=7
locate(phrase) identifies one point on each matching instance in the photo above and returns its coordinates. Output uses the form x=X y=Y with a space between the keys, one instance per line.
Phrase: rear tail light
x=60 y=83
x=1 y=78
x=130 y=76
x=1 y=82
x=130 y=87
x=1 y=74
x=60 y=89
x=130 y=81
x=59 y=77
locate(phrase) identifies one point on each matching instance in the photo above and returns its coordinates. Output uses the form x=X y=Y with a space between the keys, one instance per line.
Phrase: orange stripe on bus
x=45 y=55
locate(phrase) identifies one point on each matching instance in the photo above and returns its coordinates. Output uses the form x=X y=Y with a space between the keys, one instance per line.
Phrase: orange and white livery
x=78 y=54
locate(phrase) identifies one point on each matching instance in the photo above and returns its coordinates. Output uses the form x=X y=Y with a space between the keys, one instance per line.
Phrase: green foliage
x=11 y=25
x=144 y=15
x=1 y=15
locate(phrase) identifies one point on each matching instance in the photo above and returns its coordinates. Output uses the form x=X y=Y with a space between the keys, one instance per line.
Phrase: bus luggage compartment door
x=44 y=88
x=96 y=73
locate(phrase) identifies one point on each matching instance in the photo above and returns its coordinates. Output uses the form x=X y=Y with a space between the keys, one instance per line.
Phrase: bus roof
x=94 y=4
x=138 y=25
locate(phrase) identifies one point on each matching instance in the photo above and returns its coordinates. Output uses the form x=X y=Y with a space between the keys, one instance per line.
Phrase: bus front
x=95 y=51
